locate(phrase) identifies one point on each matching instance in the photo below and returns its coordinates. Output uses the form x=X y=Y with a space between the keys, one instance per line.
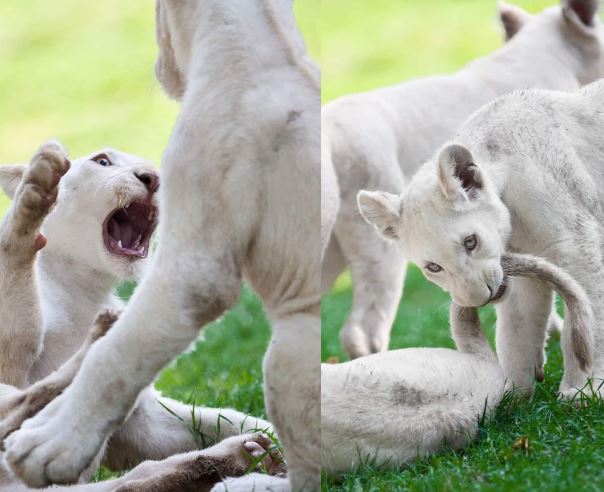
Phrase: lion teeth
x=119 y=244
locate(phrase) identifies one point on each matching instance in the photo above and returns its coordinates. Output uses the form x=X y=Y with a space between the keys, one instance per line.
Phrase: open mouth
x=127 y=231
x=500 y=292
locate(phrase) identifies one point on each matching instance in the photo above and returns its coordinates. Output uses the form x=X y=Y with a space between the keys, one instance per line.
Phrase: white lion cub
x=53 y=284
x=524 y=174
x=239 y=181
x=427 y=399
x=378 y=139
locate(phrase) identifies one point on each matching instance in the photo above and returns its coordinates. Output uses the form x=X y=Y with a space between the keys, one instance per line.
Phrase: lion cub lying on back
x=63 y=250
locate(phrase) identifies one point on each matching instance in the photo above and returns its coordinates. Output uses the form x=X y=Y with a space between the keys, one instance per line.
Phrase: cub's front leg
x=522 y=322
x=20 y=239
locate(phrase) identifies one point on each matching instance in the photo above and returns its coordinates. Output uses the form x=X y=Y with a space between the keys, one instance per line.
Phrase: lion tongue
x=126 y=233
x=114 y=230
x=122 y=234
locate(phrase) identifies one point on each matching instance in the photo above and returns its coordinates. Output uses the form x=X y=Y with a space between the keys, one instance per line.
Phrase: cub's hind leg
x=377 y=267
x=20 y=239
x=160 y=427
x=201 y=470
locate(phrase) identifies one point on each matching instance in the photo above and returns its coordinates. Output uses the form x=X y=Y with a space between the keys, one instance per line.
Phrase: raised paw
x=35 y=197
x=39 y=186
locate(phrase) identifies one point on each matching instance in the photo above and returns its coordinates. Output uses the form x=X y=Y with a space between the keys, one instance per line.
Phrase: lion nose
x=150 y=180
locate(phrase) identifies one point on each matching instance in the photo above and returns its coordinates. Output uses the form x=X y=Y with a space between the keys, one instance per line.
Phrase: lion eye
x=434 y=267
x=470 y=242
x=103 y=160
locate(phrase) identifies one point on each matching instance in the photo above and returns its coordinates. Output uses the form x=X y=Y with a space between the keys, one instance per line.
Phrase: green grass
x=565 y=443
x=365 y=47
x=83 y=72
x=540 y=445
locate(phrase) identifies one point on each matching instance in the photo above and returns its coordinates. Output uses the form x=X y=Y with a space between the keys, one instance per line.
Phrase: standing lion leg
x=293 y=394
x=292 y=379
x=522 y=321
x=556 y=322
x=332 y=266
x=378 y=273
x=330 y=194
x=587 y=270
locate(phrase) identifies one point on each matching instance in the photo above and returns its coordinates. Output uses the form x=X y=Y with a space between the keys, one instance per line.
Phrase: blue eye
x=102 y=160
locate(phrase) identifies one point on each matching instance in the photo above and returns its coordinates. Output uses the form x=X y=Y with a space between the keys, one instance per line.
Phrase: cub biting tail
x=395 y=406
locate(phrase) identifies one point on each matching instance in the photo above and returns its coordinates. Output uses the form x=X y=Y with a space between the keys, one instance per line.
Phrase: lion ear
x=382 y=210
x=458 y=176
x=512 y=17
x=166 y=69
x=10 y=177
x=580 y=13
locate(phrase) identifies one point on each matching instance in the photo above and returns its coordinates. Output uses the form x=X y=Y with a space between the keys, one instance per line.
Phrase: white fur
x=195 y=470
x=253 y=481
x=391 y=408
x=397 y=406
x=75 y=260
x=330 y=192
x=378 y=139
x=539 y=158
x=71 y=281
x=239 y=196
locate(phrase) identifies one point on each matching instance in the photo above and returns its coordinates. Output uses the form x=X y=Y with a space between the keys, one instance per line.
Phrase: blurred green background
x=369 y=44
x=82 y=72
x=366 y=45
